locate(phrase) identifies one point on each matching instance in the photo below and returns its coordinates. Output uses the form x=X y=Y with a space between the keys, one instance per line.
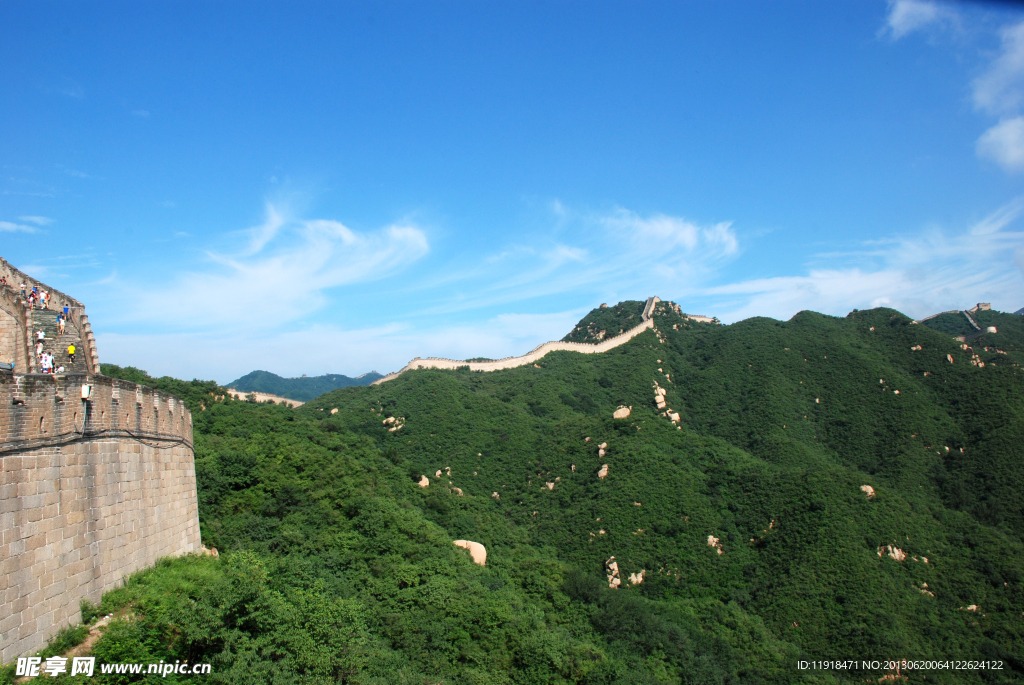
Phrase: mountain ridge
x=304 y=388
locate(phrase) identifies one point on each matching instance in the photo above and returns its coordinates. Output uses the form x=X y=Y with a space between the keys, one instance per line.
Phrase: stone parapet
x=47 y=409
x=16 y=277
x=97 y=481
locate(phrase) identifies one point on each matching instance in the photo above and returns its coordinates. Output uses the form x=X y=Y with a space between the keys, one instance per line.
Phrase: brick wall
x=90 y=491
x=13 y=333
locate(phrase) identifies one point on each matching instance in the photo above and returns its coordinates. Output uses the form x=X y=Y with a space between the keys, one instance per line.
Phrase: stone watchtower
x=97 y=475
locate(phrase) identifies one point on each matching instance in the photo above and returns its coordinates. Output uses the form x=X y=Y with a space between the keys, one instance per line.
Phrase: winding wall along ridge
x=535 y=354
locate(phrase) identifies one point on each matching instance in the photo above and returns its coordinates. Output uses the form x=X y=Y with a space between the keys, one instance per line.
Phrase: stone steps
x=57 y=345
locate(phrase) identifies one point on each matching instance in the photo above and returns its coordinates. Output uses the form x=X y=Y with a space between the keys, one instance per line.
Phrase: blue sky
x=313 y=188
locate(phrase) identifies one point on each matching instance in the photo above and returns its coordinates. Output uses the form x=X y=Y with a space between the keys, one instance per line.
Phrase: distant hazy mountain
x=302 y=389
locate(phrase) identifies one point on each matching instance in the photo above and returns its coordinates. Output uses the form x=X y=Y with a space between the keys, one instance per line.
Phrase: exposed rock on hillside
x=612 y=569
x=476 y=551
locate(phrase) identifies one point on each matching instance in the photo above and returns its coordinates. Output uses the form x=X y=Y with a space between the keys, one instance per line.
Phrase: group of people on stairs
x=45 y=360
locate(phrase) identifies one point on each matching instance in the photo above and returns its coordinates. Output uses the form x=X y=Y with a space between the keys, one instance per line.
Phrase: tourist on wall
x=60 y=324
x=71 y=353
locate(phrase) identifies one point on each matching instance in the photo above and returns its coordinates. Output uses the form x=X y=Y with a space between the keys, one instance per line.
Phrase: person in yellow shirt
x=71 y=353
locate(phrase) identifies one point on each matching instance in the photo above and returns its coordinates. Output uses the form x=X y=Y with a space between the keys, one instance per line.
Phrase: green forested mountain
x=836 y=488
x=302 y=389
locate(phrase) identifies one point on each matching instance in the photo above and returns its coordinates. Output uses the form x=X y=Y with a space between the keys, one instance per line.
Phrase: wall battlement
x=97 y=477
x=49 y=410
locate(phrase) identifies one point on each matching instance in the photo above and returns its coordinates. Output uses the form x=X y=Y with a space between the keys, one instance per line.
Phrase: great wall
x=97 y=475
x=646 y=321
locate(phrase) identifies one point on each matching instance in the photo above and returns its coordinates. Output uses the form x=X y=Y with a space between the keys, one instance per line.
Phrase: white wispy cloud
x=11 y=227
x=663 y=232
x=140 y=113
x=1000 y=89
x=919 y=275
x=1001 y=218
x=907 y=16
x=281 y=272
x=37 y=220
x=597 y=253
x=1004 y=144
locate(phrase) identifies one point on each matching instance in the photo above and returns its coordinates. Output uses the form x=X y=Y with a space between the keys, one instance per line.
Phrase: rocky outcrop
x=477 y=552
x=612 y=568
x=262 y=397
x=893 y=552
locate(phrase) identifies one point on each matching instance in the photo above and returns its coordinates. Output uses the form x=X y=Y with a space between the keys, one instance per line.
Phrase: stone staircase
x=56 y=344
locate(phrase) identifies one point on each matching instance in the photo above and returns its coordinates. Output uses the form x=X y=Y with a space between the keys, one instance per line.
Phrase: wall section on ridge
x=91 y=489
x=533 y=355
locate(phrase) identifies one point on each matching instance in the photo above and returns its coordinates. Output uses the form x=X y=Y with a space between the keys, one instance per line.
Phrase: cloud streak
x=1000 y=89
x=1004 y=144
x=596 y=253
x=11 y=227
x=919 y=275
x=906 y=16
x=280 y=273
